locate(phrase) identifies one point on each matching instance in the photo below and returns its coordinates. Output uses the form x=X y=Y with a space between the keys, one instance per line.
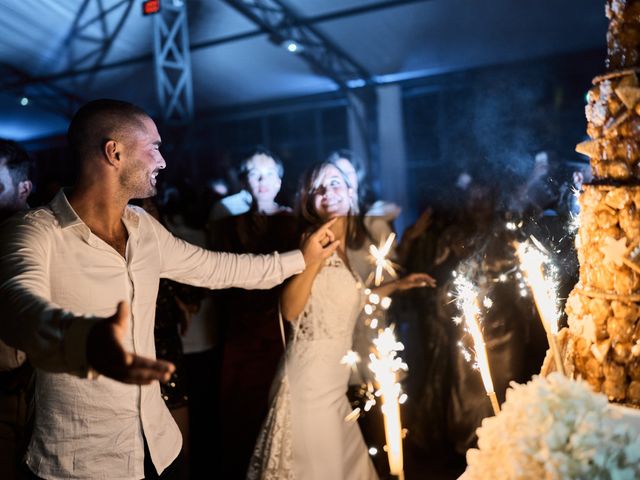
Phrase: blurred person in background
x=15 y=371
x=16 y=172
x=251 y=339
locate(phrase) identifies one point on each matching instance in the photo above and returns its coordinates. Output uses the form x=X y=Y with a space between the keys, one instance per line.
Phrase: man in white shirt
x=63 y=270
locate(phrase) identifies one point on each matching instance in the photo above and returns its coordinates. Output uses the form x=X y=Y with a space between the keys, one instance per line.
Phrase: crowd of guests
x=222 y=354
x=470 y=234
x=248 y=343
x=477 y=240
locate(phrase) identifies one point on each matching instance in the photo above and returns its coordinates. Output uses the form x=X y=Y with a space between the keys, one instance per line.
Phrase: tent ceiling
x=413 y=38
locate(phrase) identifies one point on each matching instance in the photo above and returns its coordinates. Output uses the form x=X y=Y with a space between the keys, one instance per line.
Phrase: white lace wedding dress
x=305 y=435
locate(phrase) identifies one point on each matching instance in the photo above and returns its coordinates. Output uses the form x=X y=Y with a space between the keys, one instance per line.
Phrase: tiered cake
x=554 y=427
x=604 y=308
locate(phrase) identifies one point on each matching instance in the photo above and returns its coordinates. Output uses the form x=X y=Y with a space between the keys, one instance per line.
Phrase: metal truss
x=311 y=20
x=284 y=25
x=172 y=59
x=95 y=27
x=46 y=96
x=84 y=49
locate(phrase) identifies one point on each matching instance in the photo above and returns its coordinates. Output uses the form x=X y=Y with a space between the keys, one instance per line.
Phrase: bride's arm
x=296 y=292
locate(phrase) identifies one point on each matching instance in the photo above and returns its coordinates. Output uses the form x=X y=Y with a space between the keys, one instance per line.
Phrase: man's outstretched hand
x=320 y=244
x=106 y=354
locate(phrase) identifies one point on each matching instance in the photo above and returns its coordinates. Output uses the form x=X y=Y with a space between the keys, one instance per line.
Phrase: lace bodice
x=333 y=305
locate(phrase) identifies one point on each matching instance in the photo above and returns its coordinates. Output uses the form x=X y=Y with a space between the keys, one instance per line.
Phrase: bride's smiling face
x=332 y=197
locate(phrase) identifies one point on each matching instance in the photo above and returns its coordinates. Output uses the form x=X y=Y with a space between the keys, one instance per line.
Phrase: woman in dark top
x=251 y=333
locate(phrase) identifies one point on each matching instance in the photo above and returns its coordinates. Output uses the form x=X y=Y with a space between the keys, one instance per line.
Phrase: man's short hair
x=17 y=161
x=244 y=168
x=101 y=120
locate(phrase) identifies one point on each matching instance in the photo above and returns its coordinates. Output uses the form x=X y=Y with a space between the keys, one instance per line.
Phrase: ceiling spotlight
x=24 y=101
x=292 y=46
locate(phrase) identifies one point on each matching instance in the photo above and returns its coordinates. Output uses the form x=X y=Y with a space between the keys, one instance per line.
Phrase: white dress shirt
x=55 y=278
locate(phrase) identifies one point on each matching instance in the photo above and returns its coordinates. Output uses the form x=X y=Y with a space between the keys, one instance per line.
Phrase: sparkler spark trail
x=385 y=364
x=574 y=222
x=541 y=275
x=467 y=301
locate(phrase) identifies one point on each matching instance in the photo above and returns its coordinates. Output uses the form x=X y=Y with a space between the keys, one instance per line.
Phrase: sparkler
x=467 y=301
x=379 y=256
x=386 y=364
x=533 y=263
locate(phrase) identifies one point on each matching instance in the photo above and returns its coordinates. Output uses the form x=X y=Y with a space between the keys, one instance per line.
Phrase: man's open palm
x=106 y=353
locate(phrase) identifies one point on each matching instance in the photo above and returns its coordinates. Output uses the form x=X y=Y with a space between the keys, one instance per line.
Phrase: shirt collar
x=131 y=219
x=64 y=212
x=67 y=216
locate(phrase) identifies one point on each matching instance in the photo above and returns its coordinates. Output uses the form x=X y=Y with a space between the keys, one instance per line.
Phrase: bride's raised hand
x=320 y=244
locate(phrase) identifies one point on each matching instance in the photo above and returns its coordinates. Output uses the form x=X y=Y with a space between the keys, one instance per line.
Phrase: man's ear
x=112 y=152
x=24 y=190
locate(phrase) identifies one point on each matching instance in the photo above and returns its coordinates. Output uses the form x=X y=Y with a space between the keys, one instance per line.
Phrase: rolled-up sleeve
x=186 y=263
x=54 y=339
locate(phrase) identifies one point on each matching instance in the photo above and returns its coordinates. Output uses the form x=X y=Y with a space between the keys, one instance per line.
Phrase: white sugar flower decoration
x=555 y=428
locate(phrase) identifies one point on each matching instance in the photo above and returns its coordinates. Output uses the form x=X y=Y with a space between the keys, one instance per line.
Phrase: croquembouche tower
x=604 y=308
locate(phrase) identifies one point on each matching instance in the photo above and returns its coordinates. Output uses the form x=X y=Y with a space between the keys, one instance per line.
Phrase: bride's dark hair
x=310 y=219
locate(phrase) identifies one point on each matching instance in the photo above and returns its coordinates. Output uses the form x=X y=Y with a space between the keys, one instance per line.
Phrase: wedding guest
x=252 y=339
x=15 y=371
x=483 y=250
x=376 y=216
x=375 y=226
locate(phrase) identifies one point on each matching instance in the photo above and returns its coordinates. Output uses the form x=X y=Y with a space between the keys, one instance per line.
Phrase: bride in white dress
x=305 y=435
